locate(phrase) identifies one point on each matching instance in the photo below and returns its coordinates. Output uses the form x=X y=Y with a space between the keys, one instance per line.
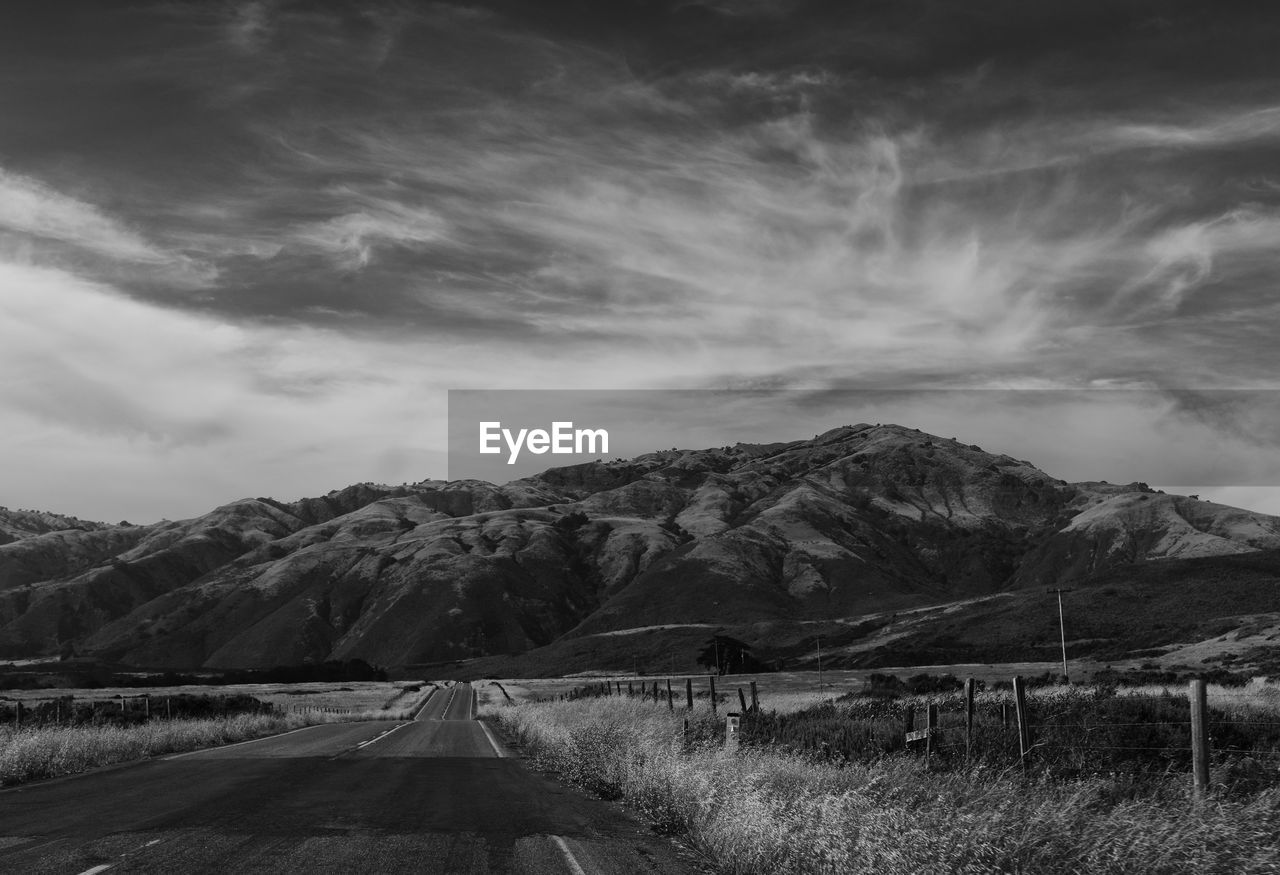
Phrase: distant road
x=439 y=794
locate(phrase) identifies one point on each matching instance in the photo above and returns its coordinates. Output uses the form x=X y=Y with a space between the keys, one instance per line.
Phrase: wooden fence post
x=1199 y=737
x=671 y=699
x=1004 y=717
x=1024 y=722
x=17 y=714
x=755 y=700
x=909 y=719
x=712 y=679
x=968 y=718
x=742 y=700
x=931 y=726
x=147 y=700
x=688 y=692
x=630 y=689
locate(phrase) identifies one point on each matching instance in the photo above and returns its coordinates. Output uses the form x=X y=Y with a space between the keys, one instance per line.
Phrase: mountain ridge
x=860 y=519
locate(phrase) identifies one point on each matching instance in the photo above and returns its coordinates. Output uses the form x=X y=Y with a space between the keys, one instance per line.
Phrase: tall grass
x=765 y=811
x=36 y=752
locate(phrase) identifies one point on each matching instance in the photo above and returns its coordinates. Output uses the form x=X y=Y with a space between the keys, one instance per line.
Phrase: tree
x=725 y=655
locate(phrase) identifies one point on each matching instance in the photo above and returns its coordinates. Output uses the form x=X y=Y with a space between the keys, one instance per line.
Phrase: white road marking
x=381 y=736
x=568 y=856
x=250 y=741
x=489 y=735
x=425 y=702
x=104 y=867
x=152 y=842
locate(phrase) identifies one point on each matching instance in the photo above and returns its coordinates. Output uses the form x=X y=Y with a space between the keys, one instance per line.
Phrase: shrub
x=764 y=810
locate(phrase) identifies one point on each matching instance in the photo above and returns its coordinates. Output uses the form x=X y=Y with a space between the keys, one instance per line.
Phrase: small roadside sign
x=731 y=731
x=917 y=735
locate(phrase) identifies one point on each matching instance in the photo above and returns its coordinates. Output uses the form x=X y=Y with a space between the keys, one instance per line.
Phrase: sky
x=247 y=248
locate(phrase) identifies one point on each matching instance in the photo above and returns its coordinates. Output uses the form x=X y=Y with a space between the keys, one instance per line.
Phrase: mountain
x=15 y=525
x=578 y=564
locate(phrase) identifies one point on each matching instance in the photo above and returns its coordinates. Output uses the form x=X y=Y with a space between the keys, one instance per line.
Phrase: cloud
x=749 y=8
x=31 y=208
x=250 y=27
x=84 y=356
x=46 y=226
x=364 y=205
x=1181 y=257
x=1220 y=129
x=352 y=238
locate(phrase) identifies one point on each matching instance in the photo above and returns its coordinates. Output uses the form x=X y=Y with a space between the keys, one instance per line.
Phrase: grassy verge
x=37 y=752
x=765 y=811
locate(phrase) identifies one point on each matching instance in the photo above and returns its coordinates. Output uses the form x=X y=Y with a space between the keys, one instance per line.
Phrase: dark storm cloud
x=775 y=193
x=361 y=158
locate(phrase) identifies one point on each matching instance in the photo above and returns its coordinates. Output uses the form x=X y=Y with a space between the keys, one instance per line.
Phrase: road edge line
x=413 y=715
x=488 y=733
x=175 y=756
x=574 y=866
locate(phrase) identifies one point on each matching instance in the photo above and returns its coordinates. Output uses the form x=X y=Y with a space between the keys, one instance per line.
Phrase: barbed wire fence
x=1064 y=732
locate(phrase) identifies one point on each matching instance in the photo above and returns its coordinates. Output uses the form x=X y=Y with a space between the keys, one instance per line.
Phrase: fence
x=661 y=691
x=69 y=711
x=1066 y=732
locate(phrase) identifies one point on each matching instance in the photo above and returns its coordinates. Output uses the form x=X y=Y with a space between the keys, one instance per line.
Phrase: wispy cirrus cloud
x=662 y=194
x=28 y=208
x=1217 y=129
x=250 y=26
x=352 y=238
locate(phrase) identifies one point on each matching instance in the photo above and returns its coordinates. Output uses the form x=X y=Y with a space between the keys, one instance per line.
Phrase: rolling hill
x=846 y=533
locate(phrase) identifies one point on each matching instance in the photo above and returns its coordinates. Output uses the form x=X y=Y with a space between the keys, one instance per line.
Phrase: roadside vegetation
x=65 y=736
x=1143 y=732
x=822 y=790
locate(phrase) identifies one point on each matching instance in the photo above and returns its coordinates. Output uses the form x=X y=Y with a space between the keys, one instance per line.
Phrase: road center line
x=102 y=868
x=380 y=736
x=489 y=735
x=568 y=855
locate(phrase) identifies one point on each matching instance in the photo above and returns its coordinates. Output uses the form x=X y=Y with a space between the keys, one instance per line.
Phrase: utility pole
x=819 y=662
x=1062 y=630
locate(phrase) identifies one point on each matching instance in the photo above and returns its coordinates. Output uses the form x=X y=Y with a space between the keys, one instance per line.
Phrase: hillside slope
x=860 y=520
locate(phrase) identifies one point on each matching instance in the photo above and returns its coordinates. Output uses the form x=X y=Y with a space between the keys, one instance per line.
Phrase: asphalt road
x=439 y=794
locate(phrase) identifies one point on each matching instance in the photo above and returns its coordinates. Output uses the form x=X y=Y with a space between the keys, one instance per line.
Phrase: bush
x=763 y=810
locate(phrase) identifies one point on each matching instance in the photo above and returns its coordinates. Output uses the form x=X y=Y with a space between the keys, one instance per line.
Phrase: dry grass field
x=764 y=808
x=36 y=752
x=41 y=747
x=332 y=696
